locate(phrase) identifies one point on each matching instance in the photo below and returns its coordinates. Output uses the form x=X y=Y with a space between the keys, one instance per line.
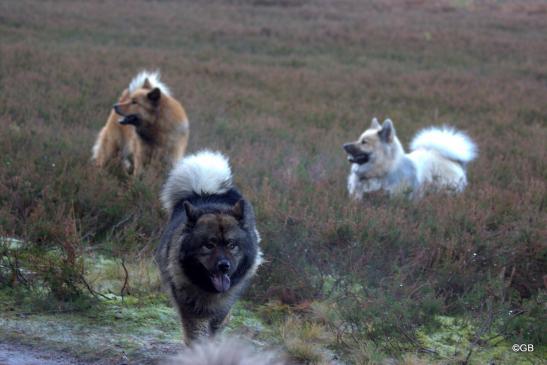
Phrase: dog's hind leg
x=177 y=151
x=179 y=144
x=137 y=153
x=105 y=148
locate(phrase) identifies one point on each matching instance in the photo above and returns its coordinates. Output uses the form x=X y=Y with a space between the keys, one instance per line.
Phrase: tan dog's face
x=373 y=150
x=140 y=107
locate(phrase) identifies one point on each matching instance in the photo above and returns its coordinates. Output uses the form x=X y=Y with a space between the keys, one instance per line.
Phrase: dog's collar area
x=146 y=135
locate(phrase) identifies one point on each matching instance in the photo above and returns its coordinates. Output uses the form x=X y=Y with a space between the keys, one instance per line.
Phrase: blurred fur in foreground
x=224 y=352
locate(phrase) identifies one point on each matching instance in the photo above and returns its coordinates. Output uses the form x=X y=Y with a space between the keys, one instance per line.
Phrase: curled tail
x=153 y=77
x=203 y=173
x=447 y=141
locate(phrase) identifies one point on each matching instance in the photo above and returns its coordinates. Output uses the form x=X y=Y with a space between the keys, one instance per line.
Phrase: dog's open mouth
x=221 y=282
x=359 y=159
x=129 y=119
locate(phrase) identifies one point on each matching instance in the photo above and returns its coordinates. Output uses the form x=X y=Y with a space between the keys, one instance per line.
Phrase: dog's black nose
x=223 y=266
x=348 y=147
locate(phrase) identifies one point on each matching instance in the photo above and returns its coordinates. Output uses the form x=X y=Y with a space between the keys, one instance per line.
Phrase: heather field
x=279 y=86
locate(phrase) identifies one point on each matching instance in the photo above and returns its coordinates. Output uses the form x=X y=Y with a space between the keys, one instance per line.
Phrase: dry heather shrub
x=279 y=90
x=304 y=340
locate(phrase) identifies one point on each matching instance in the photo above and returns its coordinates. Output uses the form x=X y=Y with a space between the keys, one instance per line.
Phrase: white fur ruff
x=154 y=79
x=447 y=141
x=205 y=172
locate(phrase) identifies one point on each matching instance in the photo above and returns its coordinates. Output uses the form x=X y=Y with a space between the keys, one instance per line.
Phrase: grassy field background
x=279 y=86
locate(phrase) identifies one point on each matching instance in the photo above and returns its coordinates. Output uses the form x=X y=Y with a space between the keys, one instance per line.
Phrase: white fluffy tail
x=154 y=79
x=447 y=141
x=205 y=172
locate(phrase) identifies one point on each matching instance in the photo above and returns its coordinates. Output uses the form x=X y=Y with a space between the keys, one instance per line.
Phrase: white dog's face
x=372 y=153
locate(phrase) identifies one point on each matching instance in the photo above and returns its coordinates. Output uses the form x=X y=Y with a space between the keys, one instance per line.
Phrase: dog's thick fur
x=224 y=352
x=146 y=122
x=437 y=160
x=210 y=248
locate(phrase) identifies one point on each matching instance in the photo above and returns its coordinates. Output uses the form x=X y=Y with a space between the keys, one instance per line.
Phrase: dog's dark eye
x=211 y=243
x=363 y=142
x=231 y=244
x=133 y=101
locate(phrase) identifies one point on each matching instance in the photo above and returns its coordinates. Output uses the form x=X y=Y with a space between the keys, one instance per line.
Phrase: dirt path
x=14 y=354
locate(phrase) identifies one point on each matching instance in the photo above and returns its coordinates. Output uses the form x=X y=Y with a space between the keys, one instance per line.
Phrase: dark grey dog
x=209 y=250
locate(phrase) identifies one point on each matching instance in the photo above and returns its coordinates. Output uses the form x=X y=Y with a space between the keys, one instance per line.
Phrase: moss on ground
x=145 y=329
x=456 y=340
x=140 y=329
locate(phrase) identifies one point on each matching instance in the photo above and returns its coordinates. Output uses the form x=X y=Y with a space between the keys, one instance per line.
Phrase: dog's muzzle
x=355 y=155
x=129 y=119
x=116 y=108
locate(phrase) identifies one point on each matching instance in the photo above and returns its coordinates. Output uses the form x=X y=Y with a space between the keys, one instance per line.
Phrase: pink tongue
x=221 y=282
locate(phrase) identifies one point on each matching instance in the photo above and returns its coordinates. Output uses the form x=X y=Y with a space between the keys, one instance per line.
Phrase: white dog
x=378 y=161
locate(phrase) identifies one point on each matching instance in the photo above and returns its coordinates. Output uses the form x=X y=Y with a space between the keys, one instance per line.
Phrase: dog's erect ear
x=387 y=133
x=146 y=84
x=238 y=210
x=192 y=213
x=374 y=124
x=154 y=95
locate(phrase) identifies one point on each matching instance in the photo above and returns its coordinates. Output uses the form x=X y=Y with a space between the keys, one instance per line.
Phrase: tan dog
x=146 y=123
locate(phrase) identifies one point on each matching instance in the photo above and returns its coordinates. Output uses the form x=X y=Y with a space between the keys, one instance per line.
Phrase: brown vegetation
x=278 y=87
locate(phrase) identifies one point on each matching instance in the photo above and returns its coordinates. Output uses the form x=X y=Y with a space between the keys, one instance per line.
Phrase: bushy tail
x=449 y=142
x=203 y=173
x=154 y=79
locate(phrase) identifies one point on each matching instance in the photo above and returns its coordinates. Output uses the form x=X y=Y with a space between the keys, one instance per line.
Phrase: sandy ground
x=13 y=354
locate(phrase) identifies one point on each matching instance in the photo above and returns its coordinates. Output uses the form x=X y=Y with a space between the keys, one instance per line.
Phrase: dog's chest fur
x=401 y=178
x=198 y=303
